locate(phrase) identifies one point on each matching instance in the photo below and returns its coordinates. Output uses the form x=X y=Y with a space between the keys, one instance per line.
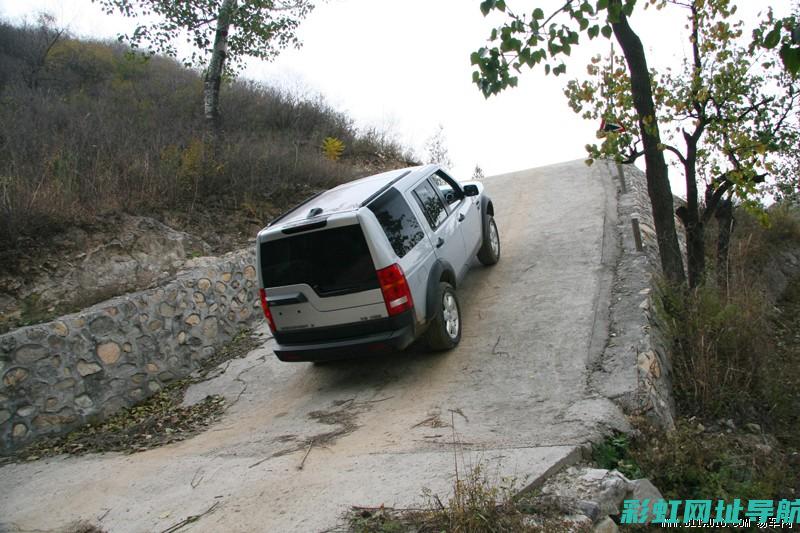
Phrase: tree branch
x=675 y=151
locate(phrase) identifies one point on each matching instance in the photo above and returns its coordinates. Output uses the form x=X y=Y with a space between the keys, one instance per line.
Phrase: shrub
x=89 y=129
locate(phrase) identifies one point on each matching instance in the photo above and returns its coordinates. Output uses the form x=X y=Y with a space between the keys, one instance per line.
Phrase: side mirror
x=471 y=190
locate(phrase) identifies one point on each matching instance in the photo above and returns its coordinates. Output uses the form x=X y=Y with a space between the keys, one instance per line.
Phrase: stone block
x=14 y=376
x=108 y=352
x=86 y=368
x=30 y=353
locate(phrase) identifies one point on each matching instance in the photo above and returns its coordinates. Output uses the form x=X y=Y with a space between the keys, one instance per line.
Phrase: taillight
x=395 y=289
x=267 y=312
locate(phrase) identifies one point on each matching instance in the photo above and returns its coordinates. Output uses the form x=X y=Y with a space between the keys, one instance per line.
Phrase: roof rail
x=384 y=188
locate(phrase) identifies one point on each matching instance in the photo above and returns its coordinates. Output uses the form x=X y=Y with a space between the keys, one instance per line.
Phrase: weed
x=613 y=454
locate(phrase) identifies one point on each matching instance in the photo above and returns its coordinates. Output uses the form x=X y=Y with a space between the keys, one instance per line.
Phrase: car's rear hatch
x=319 y=280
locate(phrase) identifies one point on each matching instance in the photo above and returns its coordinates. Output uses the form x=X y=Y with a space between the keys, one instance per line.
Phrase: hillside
x=93 y=136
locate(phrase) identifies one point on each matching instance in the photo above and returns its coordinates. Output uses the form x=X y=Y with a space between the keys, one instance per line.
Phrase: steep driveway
x=373 y=432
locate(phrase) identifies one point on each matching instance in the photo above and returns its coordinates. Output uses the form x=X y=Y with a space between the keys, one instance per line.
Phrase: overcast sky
x=404 y=65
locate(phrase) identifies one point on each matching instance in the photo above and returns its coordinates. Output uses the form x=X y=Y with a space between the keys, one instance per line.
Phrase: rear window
x=398 y=222
x=332 y=261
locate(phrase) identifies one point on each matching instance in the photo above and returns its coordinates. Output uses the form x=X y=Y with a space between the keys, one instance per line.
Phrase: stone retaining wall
x=653 y=357
x=88 y=365
x=634 y=369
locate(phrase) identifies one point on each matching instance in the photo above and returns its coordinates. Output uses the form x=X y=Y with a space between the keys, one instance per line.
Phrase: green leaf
x=791 y=59
x=487 y=6
x=594 y=31
x=474 y=58
x=606 y=31
x=547 y=68
x=772 y=38
x=602 y=4
x=476 y=76
x=501 y=5
x=538 y=14
x=494 y=34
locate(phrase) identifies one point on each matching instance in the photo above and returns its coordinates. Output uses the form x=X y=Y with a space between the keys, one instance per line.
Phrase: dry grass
x=87 y=130
x=736 y=362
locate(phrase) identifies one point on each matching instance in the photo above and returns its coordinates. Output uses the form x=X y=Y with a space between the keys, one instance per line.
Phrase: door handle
x=461 y=217
x=440 y=242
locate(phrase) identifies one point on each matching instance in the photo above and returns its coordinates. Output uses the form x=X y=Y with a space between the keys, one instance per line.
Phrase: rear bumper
x=351 y=340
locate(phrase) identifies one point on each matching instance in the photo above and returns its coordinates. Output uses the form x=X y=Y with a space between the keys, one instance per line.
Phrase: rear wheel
x=489 y=254
x=444 y=333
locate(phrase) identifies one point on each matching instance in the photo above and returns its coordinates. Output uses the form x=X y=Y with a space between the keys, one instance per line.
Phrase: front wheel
x=444 y=333
x=489 y=254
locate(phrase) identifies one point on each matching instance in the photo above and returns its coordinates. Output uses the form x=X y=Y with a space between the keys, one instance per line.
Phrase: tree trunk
x=693 y=224
x=724 y=215
x=216 y=66
x=656 y=167
x=695 y=246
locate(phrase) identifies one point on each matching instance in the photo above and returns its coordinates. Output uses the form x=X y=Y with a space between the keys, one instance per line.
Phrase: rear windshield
x=398 y=222
x=332 y=261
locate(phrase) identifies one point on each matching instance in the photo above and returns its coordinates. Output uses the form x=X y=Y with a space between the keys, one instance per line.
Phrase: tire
x=444 y=332
x=489 y=254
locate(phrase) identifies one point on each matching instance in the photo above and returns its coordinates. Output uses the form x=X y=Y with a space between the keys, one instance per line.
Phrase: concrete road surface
x=513 y=396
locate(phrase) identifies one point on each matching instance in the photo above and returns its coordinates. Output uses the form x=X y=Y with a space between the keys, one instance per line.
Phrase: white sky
x=404 y=65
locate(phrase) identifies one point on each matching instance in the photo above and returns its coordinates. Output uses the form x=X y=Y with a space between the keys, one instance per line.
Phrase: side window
x=452 y=194
x=430 y=203
x=398 y=222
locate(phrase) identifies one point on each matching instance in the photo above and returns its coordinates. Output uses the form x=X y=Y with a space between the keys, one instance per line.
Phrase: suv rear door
x=320 y=278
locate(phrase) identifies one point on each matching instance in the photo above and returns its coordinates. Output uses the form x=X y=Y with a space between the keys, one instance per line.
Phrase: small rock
x=594 y=474
x=19 y=431
x=83 y=401
x=4 y=416
x=26 y=410
x=589 y=509
x=192 y=319
x=65 y=384
x=101 y=325
x=753 y=428
x=15 y=376
x=643 y=489
x=108 y=352
x=86 y=369
x=60 y=329
x=30 y=353
x=606 y=525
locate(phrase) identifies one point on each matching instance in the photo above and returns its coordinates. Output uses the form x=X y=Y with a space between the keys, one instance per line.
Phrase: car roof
x=351 y=195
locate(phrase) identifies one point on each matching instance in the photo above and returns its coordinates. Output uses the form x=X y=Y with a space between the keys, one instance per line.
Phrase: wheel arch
x=488 y=209
x=440 y=271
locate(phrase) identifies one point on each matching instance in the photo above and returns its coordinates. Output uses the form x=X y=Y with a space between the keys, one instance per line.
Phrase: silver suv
x=370 y=266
